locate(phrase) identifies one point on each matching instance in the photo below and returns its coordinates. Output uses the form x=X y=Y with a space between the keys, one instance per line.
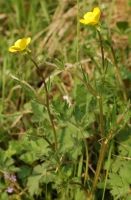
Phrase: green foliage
x=122 y=26
x=6 y=161
x=85 y=104
x=120 y=181
x=4 y=196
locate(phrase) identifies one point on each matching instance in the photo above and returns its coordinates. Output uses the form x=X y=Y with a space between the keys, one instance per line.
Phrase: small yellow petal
x=23 y=44
x=14 y=49
x=17 y=43
x=88 y=15
x=96 y=10
x=83 y=21
x=28 y=40
x=97 y=13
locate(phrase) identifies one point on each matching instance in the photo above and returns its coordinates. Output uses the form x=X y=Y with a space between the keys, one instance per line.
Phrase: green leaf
x=15 y=147
x=58 y=63
x=125 y=171
x=49 y=176
x=24 y=171
x=38 y=146
x=33 y=184
x=119 y=185
x=62 y=109
x=67 y=170
x=70 y=141
x=5 y=161
x=39 y=111
x=122 y=26
x=78 y=114
x=12 y=168
x=4 y=196
x=125 y=74
x=28 y=158
x=124 y=138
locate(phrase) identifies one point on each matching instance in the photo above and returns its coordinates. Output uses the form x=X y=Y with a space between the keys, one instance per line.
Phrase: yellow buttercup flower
x=91 y=18
x=21 y=46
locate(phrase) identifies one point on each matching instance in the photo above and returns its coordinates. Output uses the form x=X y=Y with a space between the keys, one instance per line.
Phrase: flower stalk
x=47 y=102
x=103 y=145
x=102 y=151
x=101 y=45
x=92 y=18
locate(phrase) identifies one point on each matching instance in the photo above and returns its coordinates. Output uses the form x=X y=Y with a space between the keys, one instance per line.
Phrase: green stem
x=101 y=45
x=77 y=183
x=47 y=102
x=103 y=63
x=101 y=157
x=102 y=151
x=101 y=117
x=78 y=34
x=103 y=145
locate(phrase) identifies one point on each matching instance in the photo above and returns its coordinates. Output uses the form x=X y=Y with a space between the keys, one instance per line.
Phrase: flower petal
x=97 y=13
x=23 y=44
x=96 y=10
x=28 y=40
x=88 y=15
x=14 y=49
x=84 y=21
x=17 y=43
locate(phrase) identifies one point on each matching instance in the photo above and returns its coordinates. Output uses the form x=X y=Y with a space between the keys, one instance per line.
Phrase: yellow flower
x=21 y=45
x=91 y=18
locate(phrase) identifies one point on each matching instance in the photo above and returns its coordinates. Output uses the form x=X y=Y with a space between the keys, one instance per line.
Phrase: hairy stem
x=101 y=45
x=103 y=145
x=102 y=151
x=47 y=102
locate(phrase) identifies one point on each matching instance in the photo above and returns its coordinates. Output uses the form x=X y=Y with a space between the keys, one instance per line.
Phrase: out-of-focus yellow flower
x=91 y=18
x=21 y=46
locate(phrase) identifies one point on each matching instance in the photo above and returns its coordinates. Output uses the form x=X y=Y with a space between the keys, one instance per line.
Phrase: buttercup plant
x=54 y=148
x=92 y=18
x=21 y=46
